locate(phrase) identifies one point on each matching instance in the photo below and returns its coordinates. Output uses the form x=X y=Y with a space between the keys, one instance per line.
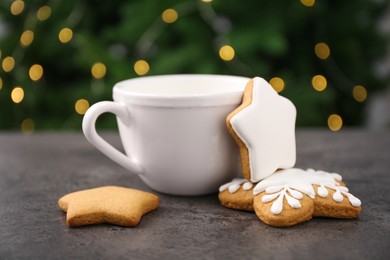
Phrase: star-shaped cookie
x=264 y=128
x=109 y=204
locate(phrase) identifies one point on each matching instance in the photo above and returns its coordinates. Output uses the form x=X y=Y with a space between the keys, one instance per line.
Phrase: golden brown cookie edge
x=244 y=153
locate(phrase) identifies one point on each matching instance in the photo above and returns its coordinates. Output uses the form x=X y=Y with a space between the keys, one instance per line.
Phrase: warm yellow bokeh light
x=8 y=64
x=17 y=95
x=35 y=72
x=207 y=1
x=277 y=83
x=319 y=82
x=335 y=122
x=27 y=127
x=43 y=13
x=26 y=38
x=1 y=83
x=65 y=35
x=169 y=16
x=308 y=3
x=98 y=70
x=226 y=53
x=359 y=93
x=81 y=106
x=17 y=7
x=141 y=67
x=322 y=50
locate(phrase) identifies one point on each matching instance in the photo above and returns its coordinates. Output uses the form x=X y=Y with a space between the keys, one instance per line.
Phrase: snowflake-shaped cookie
x=292 y=196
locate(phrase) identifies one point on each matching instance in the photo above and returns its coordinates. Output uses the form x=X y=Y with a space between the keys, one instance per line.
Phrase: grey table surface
x=36 y=170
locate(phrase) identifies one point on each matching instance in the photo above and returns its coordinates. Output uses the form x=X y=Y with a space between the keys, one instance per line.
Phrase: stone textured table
x=37 y=170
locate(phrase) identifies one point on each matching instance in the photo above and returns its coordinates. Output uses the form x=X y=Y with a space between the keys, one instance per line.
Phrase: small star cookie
x=109 y=204
x=292 y=196
x=263 y=126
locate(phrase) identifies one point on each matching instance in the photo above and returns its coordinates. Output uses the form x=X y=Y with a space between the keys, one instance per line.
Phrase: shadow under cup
x=176 y=130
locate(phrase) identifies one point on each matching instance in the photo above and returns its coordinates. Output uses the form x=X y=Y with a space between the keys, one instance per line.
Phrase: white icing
x=295 y=194
x=336 y=176
x=247 y=185
x=234 y=188
x=296 y=182
x=353 y=200
x=267 y=128
x=294 y=203
x=292 y=198
x=235 y=184
x=269 y=197
x=322 y=191
x=277 y=206
x=274 y=189
x=337 y=196
x=292 y=184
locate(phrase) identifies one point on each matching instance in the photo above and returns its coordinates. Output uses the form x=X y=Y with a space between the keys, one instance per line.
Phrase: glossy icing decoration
x=267 y=128
x=235 y=185
x=292 y=184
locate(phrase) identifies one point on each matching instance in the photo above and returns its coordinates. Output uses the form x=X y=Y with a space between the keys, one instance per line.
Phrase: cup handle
x=92 y=136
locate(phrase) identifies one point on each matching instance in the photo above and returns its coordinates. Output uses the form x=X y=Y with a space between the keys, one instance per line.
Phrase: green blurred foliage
x=270 y=38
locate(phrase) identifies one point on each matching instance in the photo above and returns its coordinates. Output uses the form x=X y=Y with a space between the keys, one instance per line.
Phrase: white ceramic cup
x=173 y=130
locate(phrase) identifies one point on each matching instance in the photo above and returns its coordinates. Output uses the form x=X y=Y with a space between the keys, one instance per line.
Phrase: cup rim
x=231 y=95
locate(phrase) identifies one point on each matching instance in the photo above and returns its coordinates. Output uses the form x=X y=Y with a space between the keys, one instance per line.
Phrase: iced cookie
x=263 y=126
x=338 y=206
x=237 y=194
x=109 y=204
x=292 y=196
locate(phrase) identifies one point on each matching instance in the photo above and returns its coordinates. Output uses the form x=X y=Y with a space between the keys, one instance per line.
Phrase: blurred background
x=57 y=57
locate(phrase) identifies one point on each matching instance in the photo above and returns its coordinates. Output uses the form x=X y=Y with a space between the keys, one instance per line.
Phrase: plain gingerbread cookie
x=109 y=204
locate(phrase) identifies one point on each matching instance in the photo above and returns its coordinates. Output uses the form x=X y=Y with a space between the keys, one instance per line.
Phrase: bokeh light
x=98 y=70
x=65 y=35
x=322 y=50
x=43 y=13
x=308 y=3
x=277 y=83
x=17 y=95
x=359 y=93
x=35 y=72
x=150 y=50
x=335 y=122
x=81 y=106
x=26 y=38
x=17 y=7
x=226 y=53
x=141 y=67
x=27 y=127
x=169 y=16
x=319 y=82
x=8 y=64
